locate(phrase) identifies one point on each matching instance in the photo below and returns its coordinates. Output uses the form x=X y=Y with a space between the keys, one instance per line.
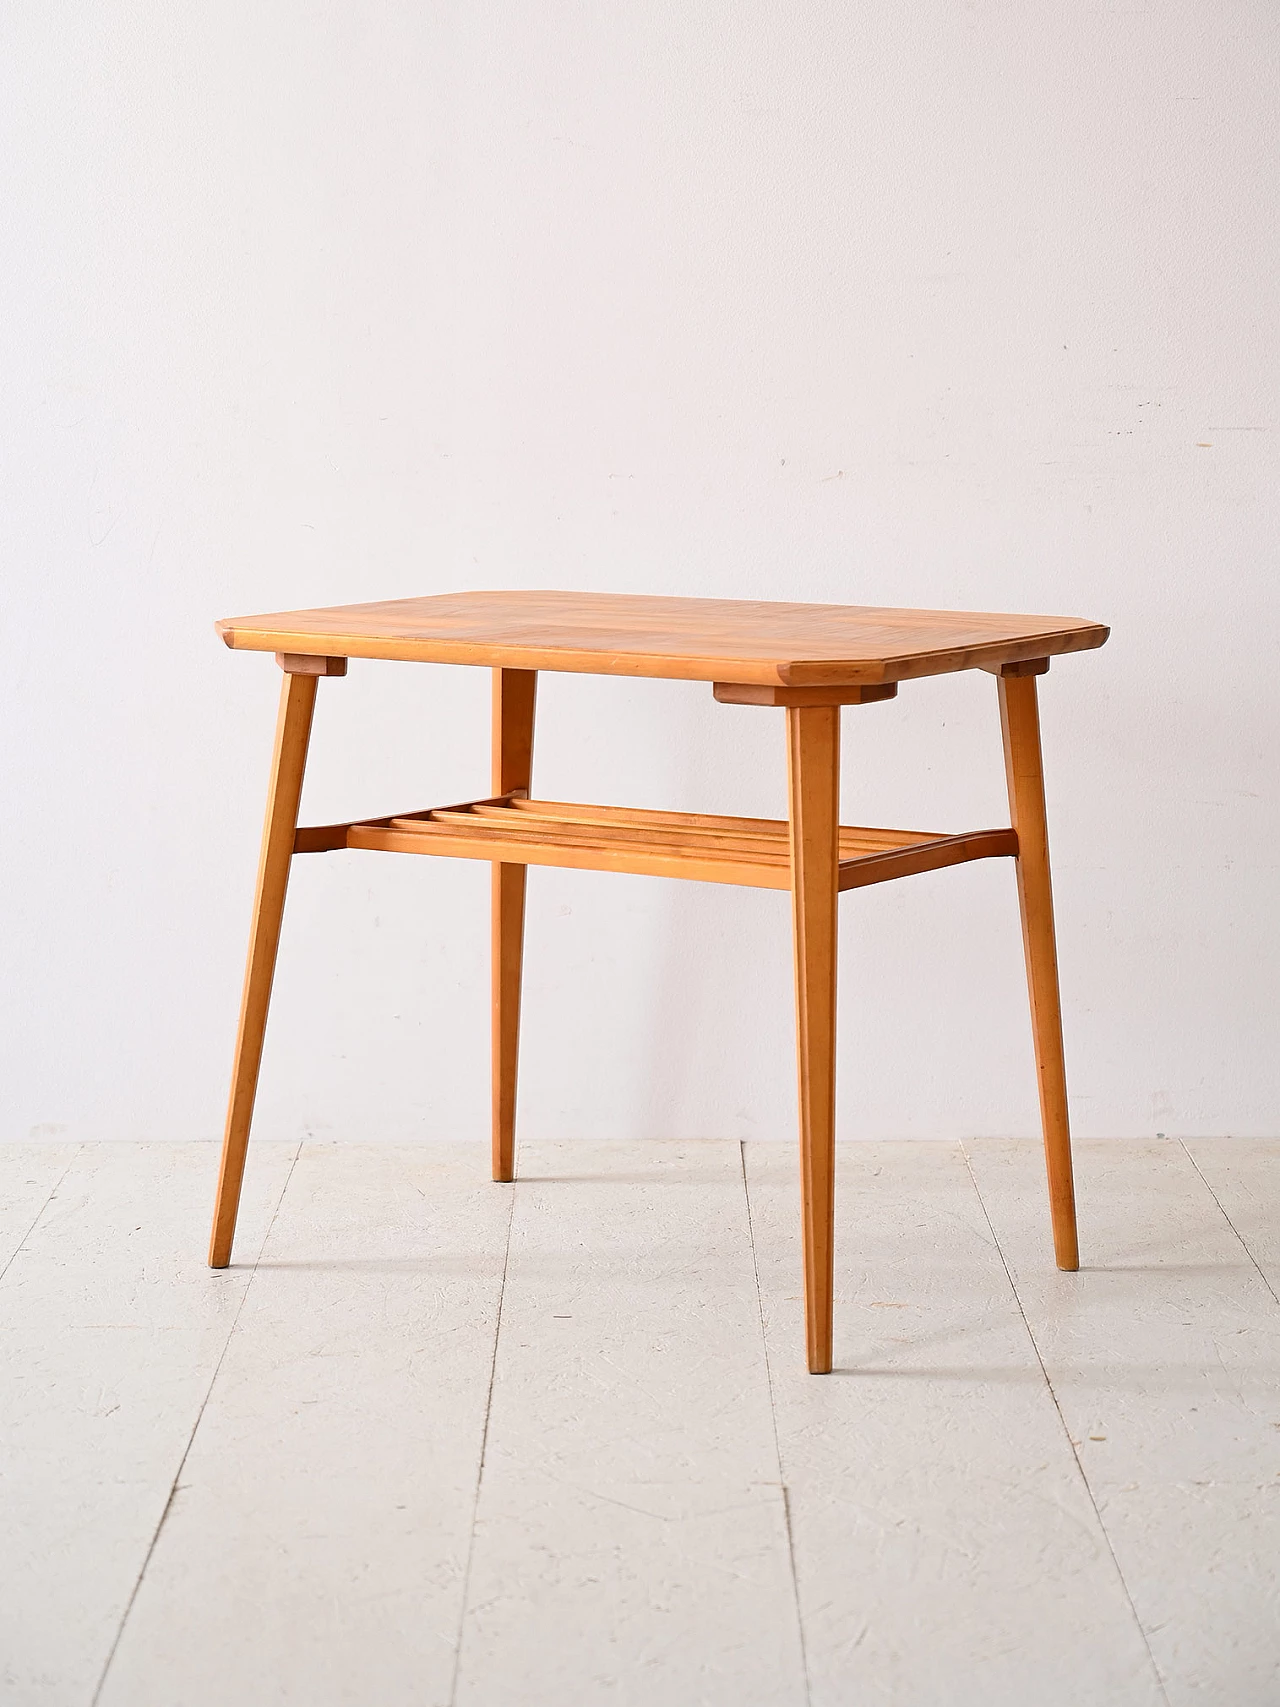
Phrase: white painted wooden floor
x=433 y=1440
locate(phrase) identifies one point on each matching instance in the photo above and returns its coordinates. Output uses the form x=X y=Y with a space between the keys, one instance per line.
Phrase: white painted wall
x=896 y=302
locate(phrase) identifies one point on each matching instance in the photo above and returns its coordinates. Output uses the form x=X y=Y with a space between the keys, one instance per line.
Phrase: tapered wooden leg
x=1020 y=724
x=813 y=752
x=514 y=692
x=293 y=731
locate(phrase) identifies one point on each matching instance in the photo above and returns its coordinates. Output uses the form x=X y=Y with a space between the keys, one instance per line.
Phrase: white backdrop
x=897 y=301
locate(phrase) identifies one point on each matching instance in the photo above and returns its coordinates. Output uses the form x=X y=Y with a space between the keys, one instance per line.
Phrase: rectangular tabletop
x=625 y=634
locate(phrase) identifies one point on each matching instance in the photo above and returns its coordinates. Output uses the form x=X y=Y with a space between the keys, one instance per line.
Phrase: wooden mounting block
x=307 y=664
x=754 y=693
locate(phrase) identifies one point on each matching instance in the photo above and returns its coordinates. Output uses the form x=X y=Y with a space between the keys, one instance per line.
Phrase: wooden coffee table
x=811 y=659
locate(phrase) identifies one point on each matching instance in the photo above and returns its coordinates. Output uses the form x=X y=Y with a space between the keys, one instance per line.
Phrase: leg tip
x=819 y=1357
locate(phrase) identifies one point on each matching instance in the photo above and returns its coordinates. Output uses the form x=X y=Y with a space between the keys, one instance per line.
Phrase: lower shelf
x=754 y=852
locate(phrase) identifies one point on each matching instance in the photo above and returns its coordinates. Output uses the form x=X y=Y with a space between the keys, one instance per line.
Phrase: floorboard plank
x=946 y=1548
x=316 y=1548
x=1244 y=1175
x=31 y=1173
x=1164 y=1354
x=111 y=1327
x=631 y=1540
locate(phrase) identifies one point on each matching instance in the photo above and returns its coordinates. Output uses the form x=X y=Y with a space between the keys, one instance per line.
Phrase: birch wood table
x=810 y=659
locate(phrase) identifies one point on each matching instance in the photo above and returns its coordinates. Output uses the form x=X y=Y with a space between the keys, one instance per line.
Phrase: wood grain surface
x=622 y=634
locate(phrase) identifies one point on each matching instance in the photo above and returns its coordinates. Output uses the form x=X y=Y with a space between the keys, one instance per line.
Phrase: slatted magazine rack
x=811 y=659
x=753 y=852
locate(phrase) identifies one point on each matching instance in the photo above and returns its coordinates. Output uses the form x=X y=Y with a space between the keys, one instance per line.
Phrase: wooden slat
x=325 y=838
x=497 y=800
x=602 y=856
x=620 y=835
x=499 y=836
x=766 y=827
x=857 y=844
x=771 y=843
x=571 y=812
